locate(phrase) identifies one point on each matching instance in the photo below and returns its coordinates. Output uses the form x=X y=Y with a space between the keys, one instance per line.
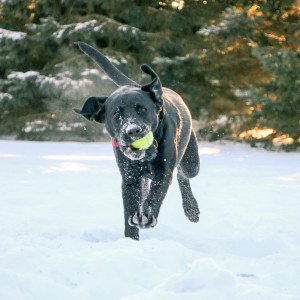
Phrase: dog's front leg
x=151 y=206
x=132 y=196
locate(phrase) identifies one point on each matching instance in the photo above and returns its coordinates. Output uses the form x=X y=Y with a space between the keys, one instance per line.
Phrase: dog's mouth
x=133 y=153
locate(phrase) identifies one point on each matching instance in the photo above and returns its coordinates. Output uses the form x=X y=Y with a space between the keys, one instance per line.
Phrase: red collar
x=115 y=143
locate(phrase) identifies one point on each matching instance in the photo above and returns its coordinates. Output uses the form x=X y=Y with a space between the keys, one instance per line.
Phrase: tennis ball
x=144 y=142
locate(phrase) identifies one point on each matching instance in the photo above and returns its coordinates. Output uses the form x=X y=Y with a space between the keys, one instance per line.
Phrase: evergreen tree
x=219 y=55
x=263 y=35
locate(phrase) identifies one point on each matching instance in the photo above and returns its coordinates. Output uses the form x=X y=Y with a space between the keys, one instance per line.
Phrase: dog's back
x=179 y=119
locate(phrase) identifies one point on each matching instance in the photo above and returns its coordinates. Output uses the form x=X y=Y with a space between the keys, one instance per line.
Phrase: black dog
x=129 y=114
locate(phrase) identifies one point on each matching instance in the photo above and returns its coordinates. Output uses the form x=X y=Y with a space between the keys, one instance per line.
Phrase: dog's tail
x=103 y=62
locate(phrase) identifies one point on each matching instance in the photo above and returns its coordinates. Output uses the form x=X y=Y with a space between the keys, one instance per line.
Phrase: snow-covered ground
x=61 y=228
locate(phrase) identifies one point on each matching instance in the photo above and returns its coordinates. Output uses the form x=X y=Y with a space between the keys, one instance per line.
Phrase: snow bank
x=11 y=35
x=5 y=96
x=23 y=75
x=231 y=17
x=131 y=29
x=70 y=29
x=60 y=83
x=61 y=228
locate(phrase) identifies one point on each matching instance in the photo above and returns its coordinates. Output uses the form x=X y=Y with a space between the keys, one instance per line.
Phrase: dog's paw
x=142 y=220
x=191 y=209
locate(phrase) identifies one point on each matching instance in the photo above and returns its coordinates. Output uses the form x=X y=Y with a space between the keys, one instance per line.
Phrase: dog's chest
x=147 y=169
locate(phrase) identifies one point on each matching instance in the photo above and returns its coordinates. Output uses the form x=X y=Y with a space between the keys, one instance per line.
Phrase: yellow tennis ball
x=144 y=142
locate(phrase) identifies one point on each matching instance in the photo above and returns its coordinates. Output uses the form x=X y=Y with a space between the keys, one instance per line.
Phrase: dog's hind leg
x=190 y=162
x=189 y=203
x=189 y=168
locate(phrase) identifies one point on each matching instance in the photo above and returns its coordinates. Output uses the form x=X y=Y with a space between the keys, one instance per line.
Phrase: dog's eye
x=116 y=114
x=142 y=109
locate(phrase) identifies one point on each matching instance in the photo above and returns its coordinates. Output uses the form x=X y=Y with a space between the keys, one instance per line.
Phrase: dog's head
x=129 y=113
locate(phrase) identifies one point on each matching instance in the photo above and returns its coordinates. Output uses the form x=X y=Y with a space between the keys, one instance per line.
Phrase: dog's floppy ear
x=155 y=87
x=93 y=109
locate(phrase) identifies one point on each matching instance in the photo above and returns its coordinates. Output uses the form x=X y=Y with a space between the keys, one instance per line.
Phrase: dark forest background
x=236 y=64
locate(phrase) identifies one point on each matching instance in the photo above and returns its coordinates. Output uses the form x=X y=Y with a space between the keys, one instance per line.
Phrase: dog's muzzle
x=133 y=154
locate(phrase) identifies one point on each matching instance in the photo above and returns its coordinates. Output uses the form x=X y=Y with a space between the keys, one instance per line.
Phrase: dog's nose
x=133 y=129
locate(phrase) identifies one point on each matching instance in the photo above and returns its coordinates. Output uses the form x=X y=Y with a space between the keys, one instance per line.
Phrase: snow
x=61 y=227
x=73 y=28
x=242 y=93
x=64 y=83
x=212 y=29
x=88 y=72
x=167 y=60
x=230 y=18
x=113 y=60
x=64 y=126
x=11 y=35
x=60 y=32
x=35 y=126
x=126 y=28
x=41 y=126
x=5 y=96
x=23 y=75
x=162 y=60
x=85 y=25
x=60 y=80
